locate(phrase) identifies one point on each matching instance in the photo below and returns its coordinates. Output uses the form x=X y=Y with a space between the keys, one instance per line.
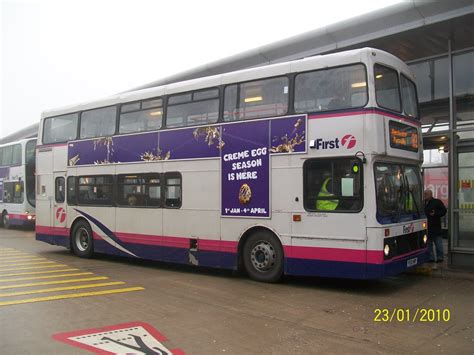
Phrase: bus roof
x=19 y=141
x=310 y=63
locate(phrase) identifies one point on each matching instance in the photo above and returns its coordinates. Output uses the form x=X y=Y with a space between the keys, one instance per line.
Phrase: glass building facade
x=446 y=94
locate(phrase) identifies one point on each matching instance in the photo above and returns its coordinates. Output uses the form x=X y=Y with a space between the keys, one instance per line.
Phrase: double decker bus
x=309 y=167
x=17 y=183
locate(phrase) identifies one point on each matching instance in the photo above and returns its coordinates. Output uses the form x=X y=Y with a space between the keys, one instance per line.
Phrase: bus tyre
x=5 y=220
x=82 y=240
x=263 y=257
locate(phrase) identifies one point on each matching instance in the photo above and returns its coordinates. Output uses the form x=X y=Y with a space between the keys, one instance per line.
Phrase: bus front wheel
x=82 y=240
x=263 y=257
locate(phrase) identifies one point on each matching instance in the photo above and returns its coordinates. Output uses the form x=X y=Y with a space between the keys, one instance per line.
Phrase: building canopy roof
x=409 y=30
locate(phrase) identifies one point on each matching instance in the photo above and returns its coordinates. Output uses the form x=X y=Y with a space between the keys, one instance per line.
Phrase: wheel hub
x=82 y=239
x=263 y=256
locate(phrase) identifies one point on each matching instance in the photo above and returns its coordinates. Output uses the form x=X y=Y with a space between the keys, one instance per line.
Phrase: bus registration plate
x=412 y=262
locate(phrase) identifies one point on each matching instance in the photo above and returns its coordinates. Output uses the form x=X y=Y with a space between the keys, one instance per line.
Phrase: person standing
x=434 y=210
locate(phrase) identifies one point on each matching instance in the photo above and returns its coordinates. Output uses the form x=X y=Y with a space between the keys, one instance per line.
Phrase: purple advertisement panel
x=288 y=135
x=97 y=151
x=245 y=169
x=138 y=147
x=107 y=150
x=191 y=143
x=283 y=135
x=4 y=173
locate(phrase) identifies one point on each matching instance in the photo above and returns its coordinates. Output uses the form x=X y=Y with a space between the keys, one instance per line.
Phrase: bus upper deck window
x=141 y=116
x=255 y=99
x=410 y=101
x=60 y=128
x=98 y=123
x=191 y=109
x=387 y=91
x=331 y=89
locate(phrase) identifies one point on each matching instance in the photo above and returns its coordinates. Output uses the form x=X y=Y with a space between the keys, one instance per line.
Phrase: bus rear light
x=387 y=232
x=425 y=239
x=386 y=250
x=296 y=218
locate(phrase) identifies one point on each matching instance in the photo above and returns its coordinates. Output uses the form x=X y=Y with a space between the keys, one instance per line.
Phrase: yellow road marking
x=13 y=253
x=19 y=257
x=46 y=277
x=71 y=295
x=7 y=249
x=54 y=282
x=32 y=267
x=21 y=263
x=55 y=289
x=37 y=272
x=29 y=260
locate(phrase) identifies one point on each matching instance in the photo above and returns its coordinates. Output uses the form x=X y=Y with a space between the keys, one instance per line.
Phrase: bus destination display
x=403 y=136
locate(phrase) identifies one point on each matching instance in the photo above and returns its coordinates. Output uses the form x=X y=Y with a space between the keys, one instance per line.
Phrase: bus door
x=59 y=204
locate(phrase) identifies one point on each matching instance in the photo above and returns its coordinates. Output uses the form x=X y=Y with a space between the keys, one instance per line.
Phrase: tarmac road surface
x=45 y=291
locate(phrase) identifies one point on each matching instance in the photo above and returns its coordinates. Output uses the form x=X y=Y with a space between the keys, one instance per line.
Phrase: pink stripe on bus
x=406 y=255
x=60 y=231
x=375 y=257
x=178 y=242
x=329 y=254
x=217 y=245
x=339 y=114
x=139 y=238
x=297 y=252
x=363 y=112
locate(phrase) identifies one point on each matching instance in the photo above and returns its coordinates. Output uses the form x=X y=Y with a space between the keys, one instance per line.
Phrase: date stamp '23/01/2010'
x=387 y=315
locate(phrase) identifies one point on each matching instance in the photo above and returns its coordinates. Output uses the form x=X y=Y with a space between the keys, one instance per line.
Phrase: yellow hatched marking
x=55 y=289
x=37 y=272
x=46 y=277
x=13 y=253
x=8 y=257
x=19 y=258
x=71 y=295
x=54 y=282
x=32 y=267
x=29 y=260
x=27 y=264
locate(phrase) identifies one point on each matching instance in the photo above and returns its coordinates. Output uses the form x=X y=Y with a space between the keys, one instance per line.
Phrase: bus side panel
x=191 y=233
x=44 y=196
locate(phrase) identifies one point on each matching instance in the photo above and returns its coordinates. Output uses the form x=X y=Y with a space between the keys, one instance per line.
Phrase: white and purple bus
x=17 y=183
x=310 y=167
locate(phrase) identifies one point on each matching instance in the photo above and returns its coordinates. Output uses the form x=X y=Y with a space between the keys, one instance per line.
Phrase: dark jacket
x=434 y=222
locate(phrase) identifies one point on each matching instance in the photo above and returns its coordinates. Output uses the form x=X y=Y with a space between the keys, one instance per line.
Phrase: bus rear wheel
x=263 y=257
x=82 y=240
x=5 y=220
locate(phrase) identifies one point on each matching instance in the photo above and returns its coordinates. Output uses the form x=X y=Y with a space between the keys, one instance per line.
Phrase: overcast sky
x=56 y=53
